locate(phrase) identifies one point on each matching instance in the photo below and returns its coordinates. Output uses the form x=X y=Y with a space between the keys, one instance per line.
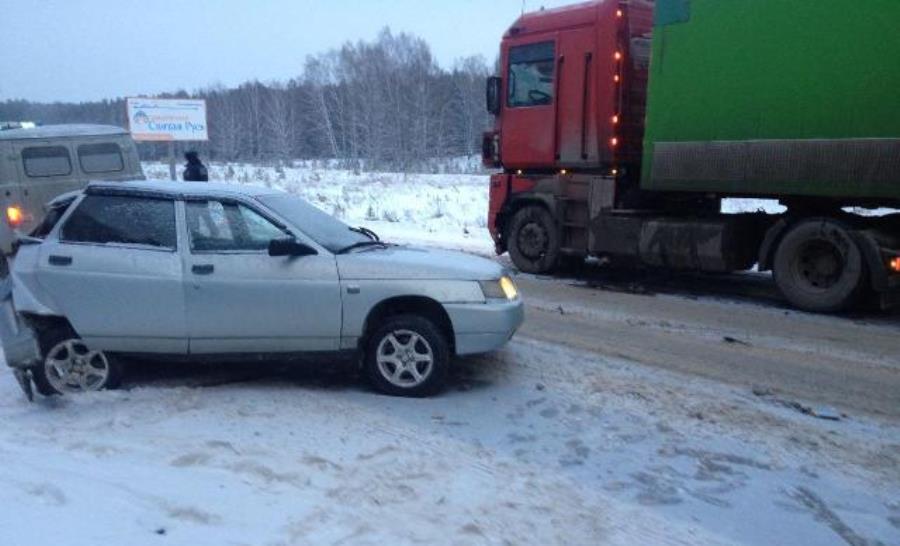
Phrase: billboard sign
x=167 y=119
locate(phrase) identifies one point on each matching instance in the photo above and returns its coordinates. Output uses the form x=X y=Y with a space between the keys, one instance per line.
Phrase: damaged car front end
x=20 y=342
x=18 y=308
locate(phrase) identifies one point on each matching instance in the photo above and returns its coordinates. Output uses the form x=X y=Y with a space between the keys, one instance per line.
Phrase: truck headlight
x=502 y=289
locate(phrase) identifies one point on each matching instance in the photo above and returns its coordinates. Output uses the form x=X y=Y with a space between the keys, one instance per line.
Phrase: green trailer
x=786 y=99
x=648 y=114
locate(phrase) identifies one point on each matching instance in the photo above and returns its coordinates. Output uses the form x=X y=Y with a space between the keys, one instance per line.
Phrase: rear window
x=104 y=157
x=53 y=215
x=44 y=161
x=105 y=219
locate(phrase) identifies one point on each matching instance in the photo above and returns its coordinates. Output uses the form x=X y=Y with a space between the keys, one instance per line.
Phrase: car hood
x=407 y=262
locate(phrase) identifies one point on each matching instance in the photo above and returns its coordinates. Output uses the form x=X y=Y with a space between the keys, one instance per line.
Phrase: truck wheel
x=534 y=240
x=407 y=356
x=818 y=267
x=69 y=366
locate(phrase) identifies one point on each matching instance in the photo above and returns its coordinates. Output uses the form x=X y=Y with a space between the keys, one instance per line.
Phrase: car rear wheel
x=407 y=356
x=69 y=367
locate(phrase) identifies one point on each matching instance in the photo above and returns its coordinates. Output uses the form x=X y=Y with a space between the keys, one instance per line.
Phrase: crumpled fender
x=27 y=293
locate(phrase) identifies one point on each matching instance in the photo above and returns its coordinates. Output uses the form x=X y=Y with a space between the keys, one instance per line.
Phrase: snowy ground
x=536 y=444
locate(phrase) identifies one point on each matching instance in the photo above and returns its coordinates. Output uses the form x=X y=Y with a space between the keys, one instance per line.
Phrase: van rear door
x=46 y=168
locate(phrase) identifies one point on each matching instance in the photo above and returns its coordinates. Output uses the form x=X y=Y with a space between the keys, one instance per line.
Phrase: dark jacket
x=195 y=170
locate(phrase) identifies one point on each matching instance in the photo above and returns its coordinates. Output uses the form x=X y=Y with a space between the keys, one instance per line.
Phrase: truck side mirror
x=493 y=95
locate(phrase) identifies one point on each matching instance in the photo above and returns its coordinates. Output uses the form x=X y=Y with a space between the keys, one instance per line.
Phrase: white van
x=40 y=163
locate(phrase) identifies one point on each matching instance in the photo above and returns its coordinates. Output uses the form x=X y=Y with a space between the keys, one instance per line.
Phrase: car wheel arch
x=42 y=324
x=423 y=306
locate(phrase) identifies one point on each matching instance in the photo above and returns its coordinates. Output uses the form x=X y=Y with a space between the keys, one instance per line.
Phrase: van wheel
x=534 y=240
x=407 y=356
x=70 y=367
x=818 y=267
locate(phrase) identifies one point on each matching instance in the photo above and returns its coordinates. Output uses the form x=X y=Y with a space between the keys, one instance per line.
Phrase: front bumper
x=485 y=327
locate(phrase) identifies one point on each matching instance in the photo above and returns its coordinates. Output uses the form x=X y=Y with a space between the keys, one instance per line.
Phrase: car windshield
x=320 y=226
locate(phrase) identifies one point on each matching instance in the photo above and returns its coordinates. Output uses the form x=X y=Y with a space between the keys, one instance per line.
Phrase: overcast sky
x=72 y=50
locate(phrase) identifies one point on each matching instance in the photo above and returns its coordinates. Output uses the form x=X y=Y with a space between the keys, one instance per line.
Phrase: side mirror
x=289 y=246
x=493 y=95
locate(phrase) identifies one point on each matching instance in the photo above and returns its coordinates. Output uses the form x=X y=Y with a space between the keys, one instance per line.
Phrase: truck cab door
x=529 y=103
x=577 y=96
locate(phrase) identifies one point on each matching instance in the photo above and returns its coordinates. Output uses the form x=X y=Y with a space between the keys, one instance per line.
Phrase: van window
x=105 y=157
x=103 y=219
x=43 y=161
x=531 y=69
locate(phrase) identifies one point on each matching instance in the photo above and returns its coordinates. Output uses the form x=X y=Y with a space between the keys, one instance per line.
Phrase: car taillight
x=14 y=216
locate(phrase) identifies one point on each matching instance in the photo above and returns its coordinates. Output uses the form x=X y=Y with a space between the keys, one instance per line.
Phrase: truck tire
x=533 y=240
x=819 y=268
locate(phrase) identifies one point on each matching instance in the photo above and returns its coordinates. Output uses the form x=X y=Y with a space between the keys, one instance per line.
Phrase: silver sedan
x=195 y=270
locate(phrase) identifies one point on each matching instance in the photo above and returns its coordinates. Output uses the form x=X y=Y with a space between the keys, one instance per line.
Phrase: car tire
x=818 y=267
x=533 y=240
x=407 y=356
x=63 y=345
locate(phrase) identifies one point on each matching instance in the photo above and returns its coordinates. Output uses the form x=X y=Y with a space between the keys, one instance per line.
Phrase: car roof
x=60 y=131
x=177 y=188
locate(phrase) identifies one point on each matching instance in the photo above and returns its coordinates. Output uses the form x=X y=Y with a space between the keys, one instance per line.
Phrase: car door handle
x=60 y=260
x=203 y=269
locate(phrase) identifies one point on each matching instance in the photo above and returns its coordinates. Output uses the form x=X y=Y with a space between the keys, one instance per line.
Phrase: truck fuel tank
x=718 y=244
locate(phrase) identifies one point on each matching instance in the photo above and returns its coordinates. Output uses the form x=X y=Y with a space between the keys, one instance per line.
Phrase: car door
x=113 y=270
x=240 y=299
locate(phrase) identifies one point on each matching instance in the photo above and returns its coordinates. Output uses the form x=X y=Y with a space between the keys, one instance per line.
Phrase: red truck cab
x=570 y=99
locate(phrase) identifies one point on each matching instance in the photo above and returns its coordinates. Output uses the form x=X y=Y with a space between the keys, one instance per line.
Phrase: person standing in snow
x=195 y=170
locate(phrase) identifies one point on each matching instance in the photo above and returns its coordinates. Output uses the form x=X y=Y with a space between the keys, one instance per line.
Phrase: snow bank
x=443 y=210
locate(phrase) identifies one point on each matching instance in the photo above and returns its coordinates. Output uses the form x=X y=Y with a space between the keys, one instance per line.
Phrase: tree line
x=382 y=104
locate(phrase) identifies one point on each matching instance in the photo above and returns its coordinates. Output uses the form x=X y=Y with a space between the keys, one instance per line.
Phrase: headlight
x=503 y=289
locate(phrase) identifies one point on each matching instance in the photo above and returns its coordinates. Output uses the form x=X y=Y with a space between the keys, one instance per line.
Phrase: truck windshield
x=531 y=69
x=320 y=226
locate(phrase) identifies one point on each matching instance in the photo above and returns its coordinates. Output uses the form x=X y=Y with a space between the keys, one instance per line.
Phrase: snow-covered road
x=536 y=444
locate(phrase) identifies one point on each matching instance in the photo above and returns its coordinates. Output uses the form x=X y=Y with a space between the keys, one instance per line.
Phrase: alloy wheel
x=70 y=366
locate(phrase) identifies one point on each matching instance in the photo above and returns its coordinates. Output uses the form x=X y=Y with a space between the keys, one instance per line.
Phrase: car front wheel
x=407 y=356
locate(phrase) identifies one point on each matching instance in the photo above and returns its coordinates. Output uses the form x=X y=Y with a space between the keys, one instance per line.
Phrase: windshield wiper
x=362 y=244
x=367 y=232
